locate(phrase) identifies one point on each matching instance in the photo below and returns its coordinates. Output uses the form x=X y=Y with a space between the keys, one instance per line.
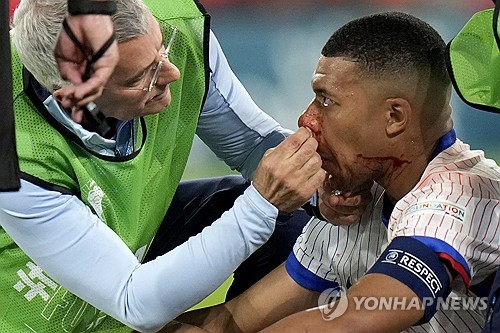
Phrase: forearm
x=311 y=321
x=215 y=319
x=274 y=297
x=62 y=242
x=353 y=313
x=178 y=327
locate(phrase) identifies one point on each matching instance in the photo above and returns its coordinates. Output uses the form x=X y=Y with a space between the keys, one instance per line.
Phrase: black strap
x=93 y=116
x=495 y=24
x=9 y=167
x=84 y=7
x=313 y=210
x=91 y=59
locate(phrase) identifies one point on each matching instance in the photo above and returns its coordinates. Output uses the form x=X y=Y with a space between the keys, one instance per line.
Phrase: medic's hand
x=92 y=31
x=343 y=208
x=288 y=175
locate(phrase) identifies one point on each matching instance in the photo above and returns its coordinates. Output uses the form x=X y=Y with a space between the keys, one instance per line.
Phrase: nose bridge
x=159 y=68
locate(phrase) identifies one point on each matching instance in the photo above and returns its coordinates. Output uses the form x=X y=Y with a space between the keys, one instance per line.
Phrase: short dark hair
x=391 y=43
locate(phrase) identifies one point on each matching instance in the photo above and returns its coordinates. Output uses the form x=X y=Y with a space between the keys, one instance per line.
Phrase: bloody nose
x=310 y=119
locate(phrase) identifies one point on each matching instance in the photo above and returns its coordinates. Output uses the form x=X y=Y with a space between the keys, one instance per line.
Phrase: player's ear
x=397 y=111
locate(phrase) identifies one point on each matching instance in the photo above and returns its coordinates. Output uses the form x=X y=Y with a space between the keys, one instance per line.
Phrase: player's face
x=345 y=119
x=123 y=96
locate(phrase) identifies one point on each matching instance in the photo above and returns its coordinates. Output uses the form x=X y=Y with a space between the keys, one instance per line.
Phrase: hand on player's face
x=343 y=208
x=289 y=174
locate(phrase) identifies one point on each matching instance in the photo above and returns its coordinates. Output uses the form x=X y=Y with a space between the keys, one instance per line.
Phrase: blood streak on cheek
x=396 y=162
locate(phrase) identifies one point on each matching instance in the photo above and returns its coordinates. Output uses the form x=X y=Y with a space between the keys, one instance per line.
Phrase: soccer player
x=381 y=113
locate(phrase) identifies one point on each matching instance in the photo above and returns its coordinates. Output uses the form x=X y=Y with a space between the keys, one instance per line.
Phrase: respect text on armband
x=416 y=266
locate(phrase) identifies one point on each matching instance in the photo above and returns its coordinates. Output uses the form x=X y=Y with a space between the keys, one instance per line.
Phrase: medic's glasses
x=156 y=69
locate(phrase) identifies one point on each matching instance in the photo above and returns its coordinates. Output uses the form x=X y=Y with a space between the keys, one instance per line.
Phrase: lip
x=323 y=156
x=160 y=95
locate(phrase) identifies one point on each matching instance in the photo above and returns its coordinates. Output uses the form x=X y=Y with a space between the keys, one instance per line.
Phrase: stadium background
x=273 y=45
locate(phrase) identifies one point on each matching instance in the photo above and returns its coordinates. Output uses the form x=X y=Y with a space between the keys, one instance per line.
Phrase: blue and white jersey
x=454 y=210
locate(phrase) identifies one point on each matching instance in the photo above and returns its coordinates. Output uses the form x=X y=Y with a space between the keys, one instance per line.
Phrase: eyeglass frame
x=156 y=74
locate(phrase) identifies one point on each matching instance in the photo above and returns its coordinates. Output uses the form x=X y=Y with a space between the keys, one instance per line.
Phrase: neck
x=398 y=182
x=416 y=153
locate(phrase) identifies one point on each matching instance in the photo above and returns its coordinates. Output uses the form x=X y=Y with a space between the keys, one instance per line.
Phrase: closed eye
x=137 y=79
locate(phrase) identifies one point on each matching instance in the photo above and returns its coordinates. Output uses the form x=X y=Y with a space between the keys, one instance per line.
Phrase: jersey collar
x=443 y=143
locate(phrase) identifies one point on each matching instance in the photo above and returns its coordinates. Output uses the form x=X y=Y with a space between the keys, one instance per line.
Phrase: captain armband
x=84 y=7
x=418 y=267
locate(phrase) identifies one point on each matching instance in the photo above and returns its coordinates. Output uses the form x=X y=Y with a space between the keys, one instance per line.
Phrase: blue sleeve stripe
x=440 y=246
x=306 y=278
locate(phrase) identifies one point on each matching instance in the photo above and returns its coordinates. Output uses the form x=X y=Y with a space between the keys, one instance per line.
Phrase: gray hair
x=37 y=24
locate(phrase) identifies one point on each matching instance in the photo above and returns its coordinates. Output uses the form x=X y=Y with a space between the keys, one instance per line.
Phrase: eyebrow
x=322 y=91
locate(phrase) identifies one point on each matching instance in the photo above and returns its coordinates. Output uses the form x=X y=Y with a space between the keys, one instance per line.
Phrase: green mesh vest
x=130 y=194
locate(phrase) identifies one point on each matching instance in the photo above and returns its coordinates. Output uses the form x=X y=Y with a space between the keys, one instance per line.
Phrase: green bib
x=130 y=194
x=473 y=60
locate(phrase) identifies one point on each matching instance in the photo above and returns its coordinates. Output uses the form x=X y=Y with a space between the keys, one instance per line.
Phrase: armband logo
x=416 y=266
x=443 y=207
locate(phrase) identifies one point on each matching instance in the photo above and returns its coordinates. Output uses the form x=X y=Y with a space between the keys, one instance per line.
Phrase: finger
x=338 y=218
x=317 y=179
x=104 y=67
x=65 y=97
x=361 y=199
x=345 y=220
x=293 y=164
x=305 y=156
x=341 y=200
x=293 y=143
x=311 y=166
x=87 y=99
x=341 y=210
x=77 y=114
x=71 y=72
x=304 y=163
x=302 y=193
x=92 y=87
x=67 y=51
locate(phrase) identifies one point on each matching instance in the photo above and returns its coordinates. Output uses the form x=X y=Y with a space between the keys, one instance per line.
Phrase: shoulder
x=458 y=172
